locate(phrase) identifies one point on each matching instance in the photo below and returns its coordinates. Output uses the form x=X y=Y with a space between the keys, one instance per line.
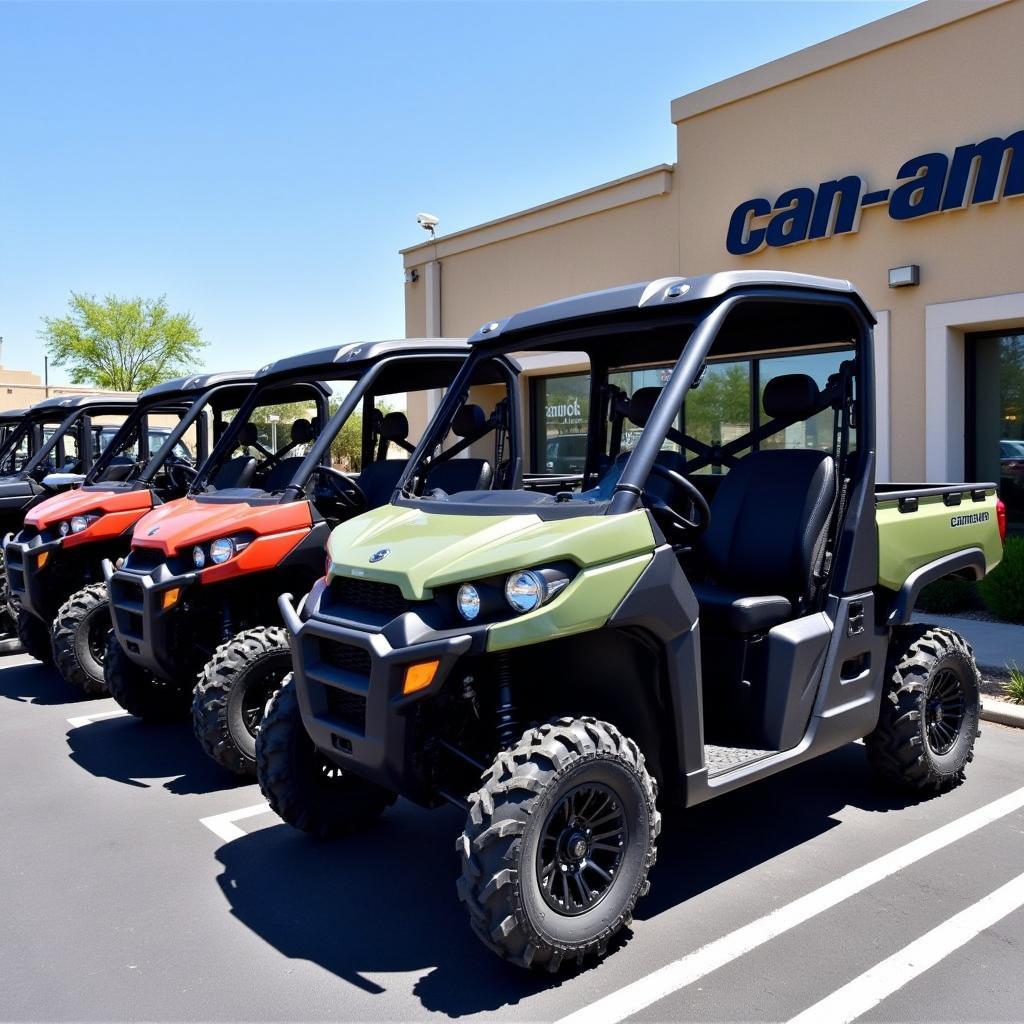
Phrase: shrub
x=1013 y=688
x=949 y=595
x=1003 y=589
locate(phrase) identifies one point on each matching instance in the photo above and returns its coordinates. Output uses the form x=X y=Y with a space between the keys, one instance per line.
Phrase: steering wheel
x=180 y=474
x=693 y=527
x=342 y=488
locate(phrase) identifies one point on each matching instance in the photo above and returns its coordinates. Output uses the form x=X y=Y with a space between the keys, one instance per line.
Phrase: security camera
x=427 y=221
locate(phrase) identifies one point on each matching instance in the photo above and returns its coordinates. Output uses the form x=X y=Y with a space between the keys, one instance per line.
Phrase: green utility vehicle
x=729 y=596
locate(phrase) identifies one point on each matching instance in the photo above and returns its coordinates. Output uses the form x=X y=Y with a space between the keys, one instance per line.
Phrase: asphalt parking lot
x=140 y=882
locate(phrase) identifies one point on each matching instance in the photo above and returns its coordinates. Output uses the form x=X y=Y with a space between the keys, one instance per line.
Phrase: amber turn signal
x=420 y=675
x=170 y=597
x=42 y=559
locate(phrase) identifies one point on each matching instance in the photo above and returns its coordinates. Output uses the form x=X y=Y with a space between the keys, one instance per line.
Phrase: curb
x=1002 y=712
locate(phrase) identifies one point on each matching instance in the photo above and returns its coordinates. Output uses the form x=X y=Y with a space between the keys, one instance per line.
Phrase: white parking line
x=89 y=719
x=223 y=825
x=656 y=986
x=860 y=995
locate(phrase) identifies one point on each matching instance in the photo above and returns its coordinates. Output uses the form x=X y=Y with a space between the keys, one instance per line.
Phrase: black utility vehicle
x=55 y=443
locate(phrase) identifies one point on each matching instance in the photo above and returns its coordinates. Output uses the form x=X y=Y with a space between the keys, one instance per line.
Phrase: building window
x=561 y=407
x=995 y=417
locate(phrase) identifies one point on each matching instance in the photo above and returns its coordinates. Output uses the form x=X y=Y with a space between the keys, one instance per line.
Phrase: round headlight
x=198 y=557
x=221 y=550
x=468 y=601
x=64 y=529
x=525 y=591
x=79 y=523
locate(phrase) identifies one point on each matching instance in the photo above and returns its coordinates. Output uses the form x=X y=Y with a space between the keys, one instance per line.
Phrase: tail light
x=1001 y=518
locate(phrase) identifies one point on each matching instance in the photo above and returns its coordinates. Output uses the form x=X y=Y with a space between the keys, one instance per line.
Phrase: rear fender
x=969 y=564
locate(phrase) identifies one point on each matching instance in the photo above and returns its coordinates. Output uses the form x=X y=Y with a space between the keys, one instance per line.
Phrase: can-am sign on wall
x=977 y=172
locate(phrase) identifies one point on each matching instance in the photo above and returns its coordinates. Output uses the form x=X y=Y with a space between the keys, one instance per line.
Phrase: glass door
x=995 y=417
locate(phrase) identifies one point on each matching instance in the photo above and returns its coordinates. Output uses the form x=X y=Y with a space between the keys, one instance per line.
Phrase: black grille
x=369 y=595
x=143 y=559
x=346 y=707
x=346 y=657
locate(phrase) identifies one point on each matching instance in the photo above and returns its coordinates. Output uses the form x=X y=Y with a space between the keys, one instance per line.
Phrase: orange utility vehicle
x=195 y=602
x=55 y=560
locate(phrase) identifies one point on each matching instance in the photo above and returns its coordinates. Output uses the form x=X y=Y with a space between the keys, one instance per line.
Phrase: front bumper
x=145 y=627
x=349 y=686
x=30 y=582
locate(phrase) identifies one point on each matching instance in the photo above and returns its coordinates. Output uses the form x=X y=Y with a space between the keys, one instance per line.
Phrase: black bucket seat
x=379 y=478
x=455 y=475
x=764 y=545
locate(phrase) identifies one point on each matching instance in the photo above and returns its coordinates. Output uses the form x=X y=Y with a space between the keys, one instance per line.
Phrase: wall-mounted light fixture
x=905 y=277
x=412 y=275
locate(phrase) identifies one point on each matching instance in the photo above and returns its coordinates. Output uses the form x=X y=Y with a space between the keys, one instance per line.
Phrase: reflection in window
x=718 y=410
x=817 y=432
x=996 y=427
x=561 y=407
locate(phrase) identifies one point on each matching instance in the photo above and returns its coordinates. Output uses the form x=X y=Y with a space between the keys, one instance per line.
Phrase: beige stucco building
x=852 y=158
x=20 y=389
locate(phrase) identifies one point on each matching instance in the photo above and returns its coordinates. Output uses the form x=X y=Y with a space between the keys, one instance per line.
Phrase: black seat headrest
x=302 y=432
x=250 y=435
x=394 y=427
x=469 y=421
x=790 y=396
x=641 y=404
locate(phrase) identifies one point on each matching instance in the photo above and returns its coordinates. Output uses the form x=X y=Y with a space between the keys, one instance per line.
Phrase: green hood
x=428 y=549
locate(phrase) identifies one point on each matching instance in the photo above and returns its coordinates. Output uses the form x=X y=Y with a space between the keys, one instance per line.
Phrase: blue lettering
x=742 y=239
x=847 y=190
x=986 y=158
x=922 y=194
x=792 y=217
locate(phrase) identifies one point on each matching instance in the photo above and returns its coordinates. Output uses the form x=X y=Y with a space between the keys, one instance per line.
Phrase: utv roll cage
x=189 y=398
x=689 y=316
x=69 y=415
x=374 y=368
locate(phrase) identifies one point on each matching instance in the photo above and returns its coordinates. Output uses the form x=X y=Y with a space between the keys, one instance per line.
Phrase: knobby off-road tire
x=303 y=787
x=34 y=637
x=931 y=707
x=79 y=638
x=233 y=690
x=139 y=692
x=532 y=811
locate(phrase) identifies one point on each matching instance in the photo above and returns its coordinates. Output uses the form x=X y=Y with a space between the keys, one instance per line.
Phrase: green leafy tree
x=122 y=344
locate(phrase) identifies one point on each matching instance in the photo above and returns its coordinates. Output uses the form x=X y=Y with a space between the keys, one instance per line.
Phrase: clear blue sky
x=261 y=164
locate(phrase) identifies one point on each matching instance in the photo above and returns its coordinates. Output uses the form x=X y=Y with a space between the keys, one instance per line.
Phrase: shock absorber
x=227 y=629
x=507 y=722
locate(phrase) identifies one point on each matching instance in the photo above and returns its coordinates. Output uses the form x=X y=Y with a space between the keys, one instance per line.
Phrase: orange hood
x=179 y=525
x=72 y=503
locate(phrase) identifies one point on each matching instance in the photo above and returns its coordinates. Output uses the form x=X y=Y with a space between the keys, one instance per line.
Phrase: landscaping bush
x=948 y=596
x=1003 y=589
x=1013 y=688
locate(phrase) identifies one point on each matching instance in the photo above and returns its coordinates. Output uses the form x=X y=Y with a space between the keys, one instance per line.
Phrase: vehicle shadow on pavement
x=377 y=903
x=133 y=752
x=384 y=901
x=731 y=834
x=34 y=683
